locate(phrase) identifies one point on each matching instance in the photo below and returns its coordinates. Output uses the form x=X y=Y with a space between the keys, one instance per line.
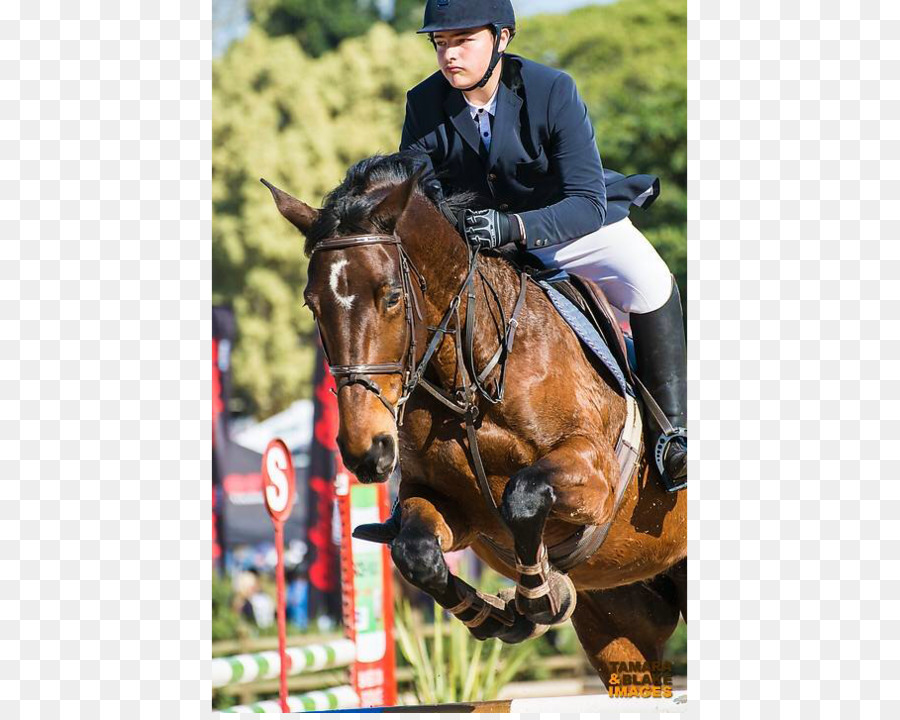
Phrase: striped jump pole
x=668 y=708
x=339 y=698
x=267 y=665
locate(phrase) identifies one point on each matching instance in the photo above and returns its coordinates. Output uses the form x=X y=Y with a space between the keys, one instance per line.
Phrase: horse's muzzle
x=378 y=462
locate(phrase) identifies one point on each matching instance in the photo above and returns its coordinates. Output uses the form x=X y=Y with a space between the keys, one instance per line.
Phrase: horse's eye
x=393 y=299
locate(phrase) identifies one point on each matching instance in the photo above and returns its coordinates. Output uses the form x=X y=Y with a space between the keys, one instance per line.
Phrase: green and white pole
x=267 y=665
x=338 y=698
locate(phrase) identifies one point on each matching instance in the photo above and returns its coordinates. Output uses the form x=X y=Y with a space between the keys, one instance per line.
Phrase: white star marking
x=345 y=301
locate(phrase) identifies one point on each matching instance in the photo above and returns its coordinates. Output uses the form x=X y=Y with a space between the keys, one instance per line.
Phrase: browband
x=339 y=243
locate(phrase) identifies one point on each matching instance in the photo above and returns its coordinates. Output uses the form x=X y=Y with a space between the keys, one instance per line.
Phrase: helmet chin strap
x=495 y=58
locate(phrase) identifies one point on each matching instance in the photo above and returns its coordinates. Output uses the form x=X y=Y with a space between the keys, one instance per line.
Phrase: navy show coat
x=543 y=162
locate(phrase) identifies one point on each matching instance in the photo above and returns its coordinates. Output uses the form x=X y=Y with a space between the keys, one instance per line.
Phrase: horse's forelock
x=348 y=208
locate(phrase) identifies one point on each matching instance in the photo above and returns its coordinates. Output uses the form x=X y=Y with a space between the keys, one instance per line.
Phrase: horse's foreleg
x=570 y=481
x=418 y=552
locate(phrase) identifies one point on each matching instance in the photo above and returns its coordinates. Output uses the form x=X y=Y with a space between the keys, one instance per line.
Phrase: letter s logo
x=278 y=479
x=277 y=489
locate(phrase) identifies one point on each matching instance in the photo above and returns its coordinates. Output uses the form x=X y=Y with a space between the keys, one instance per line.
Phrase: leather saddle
x=586 y=296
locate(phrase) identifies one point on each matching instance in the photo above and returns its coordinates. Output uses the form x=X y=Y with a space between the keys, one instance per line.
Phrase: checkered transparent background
x=105 y=219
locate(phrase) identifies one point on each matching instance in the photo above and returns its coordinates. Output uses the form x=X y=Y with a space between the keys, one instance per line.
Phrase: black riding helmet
x=442 y=15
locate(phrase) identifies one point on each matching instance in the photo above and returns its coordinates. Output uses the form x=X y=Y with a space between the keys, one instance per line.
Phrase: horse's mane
x=348 y=208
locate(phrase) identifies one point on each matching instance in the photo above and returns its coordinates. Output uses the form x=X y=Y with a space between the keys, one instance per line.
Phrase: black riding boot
x=659 y=345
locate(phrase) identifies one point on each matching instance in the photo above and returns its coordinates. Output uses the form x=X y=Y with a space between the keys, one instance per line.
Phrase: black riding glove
x=490 y=228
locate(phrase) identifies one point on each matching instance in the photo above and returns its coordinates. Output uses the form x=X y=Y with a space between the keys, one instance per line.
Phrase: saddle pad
x=588 y=334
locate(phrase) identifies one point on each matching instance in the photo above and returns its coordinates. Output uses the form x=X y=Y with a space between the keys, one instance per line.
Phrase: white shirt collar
x=489 y=108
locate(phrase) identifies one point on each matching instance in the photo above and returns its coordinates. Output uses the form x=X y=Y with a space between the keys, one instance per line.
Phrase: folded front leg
x=418 y=553
x=573 y=481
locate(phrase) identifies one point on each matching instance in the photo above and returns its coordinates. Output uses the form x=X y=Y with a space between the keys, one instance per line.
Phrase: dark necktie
x=483 y=151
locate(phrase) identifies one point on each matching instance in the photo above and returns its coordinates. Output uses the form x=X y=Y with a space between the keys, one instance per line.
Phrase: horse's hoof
x=383 y=533
x=553 y=606
x=523 y=629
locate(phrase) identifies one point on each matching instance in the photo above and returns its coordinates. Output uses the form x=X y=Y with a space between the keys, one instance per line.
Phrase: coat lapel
x=505 y=116
x=506 y=113
x=458 y=111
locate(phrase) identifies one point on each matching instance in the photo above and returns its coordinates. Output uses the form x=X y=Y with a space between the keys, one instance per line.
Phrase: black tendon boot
x=659 y=345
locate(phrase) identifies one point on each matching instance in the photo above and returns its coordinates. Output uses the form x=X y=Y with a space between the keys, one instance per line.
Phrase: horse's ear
x=391 y=209
x=299 y=213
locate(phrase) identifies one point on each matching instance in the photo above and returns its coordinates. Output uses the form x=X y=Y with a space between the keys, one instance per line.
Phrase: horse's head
x=366 y=299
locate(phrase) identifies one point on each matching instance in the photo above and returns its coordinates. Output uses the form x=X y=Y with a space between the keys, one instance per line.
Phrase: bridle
x=463 y=401
x=410 y=368
x=359 y=374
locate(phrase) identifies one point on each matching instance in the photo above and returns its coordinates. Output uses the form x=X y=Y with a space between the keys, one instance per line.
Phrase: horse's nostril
x=382 y=453
x=375 y=462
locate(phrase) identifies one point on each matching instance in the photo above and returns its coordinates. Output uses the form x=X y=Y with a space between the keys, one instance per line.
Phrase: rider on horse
x=517 y=132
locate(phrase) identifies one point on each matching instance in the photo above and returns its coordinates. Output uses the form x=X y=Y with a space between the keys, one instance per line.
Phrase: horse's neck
x=440 y=255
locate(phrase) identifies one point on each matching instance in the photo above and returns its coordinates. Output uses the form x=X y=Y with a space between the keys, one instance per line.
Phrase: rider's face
x=464 y=55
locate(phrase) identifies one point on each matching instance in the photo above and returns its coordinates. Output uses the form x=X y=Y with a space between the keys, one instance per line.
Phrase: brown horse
x=390 y=280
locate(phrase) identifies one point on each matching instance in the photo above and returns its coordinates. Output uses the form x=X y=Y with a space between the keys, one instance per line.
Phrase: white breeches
x=621 y=261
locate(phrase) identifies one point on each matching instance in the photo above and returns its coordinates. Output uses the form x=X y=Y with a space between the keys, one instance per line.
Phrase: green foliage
x=408 y=15
x=671 y=243
x=459 y=668
x=318 y=25
x=629 y=61
x=225 y=622
x=322 y=25
x=300 y=121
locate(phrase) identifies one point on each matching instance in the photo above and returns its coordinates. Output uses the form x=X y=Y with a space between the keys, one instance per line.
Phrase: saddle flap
x=584 y=327
x=585 y=295
x=604 y=318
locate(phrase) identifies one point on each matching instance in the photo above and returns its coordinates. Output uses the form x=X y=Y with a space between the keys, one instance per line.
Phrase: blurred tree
x=629 y=60
x=318 y=25
x=407 y=15
x=321 y=25
x=300 y=123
